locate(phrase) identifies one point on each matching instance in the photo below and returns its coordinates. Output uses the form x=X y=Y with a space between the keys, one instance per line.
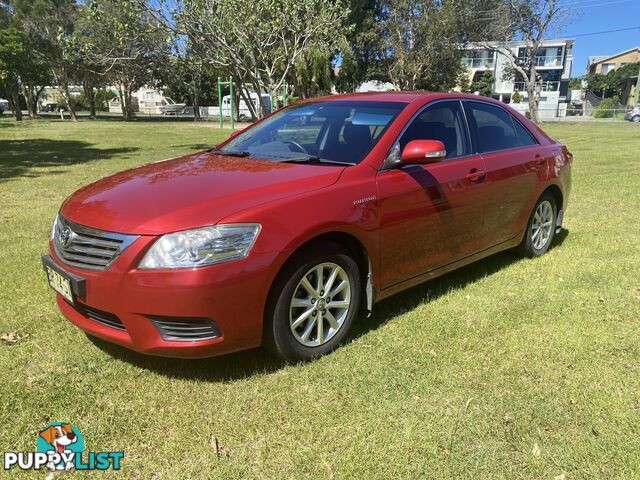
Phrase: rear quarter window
x=525 y=138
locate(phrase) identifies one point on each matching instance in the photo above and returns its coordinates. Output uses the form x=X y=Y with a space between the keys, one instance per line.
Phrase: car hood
x=189 y=192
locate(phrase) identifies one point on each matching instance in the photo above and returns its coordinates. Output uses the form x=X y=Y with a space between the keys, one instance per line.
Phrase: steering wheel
x=296 y=145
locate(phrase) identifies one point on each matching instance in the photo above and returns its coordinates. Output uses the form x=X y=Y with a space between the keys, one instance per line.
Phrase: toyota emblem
x=65 y=237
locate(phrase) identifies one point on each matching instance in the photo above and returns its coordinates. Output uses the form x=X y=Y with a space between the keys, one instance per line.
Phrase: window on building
x=607 y=67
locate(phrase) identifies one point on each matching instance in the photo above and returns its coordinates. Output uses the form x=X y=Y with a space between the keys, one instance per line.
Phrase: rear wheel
x=313 y=303
x=636 y=119
x=541 y=227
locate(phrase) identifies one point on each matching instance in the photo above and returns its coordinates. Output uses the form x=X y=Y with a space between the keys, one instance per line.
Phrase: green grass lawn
x=508 y=368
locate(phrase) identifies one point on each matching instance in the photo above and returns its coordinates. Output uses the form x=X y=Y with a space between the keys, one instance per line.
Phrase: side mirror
x=423 y=151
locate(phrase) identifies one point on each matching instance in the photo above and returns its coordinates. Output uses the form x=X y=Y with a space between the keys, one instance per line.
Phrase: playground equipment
x=220 y=85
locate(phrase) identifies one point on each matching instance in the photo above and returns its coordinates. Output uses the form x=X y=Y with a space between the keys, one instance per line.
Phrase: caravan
x=244 y=112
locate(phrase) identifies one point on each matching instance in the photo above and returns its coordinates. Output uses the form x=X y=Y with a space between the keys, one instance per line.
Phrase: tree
x=527 y=21
x=312 y=74
x=484 y=85
x=188 y=79
x=24 y=71
x=422 y=43
x=363 y=50
x=11 y=53
x=125 y=41
x=50 y=24
x=256 y=41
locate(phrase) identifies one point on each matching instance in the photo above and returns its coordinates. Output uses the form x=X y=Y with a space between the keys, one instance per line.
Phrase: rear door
x=431 y=215
x=512 y=160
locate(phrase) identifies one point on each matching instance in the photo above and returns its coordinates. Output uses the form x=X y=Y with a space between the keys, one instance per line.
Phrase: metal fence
x=561 y=114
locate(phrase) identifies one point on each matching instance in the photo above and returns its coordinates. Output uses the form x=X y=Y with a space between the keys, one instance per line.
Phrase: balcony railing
x=470 y=62
x=544 y=86
x=547 y=61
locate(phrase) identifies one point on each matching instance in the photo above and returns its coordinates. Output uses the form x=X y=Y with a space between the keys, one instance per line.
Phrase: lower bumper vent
x=179 y=329
x=105 y=318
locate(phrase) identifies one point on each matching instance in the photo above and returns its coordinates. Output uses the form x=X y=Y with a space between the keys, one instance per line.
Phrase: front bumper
x=231 y=295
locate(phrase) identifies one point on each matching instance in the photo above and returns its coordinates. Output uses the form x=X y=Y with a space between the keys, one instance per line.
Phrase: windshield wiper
x=315 y=159
x=229 y=153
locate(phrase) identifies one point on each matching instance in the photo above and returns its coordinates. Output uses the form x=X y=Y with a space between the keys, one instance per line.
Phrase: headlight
x=53 y=228
x=201 y=246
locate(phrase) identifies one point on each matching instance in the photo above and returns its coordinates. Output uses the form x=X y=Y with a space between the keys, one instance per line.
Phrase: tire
x=537 y=244
x=305 y=340
x=636 y=119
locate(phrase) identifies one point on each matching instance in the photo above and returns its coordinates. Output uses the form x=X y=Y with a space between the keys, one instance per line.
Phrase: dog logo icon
x=63 y=439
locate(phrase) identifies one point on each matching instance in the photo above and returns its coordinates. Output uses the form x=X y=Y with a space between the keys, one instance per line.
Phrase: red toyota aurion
x=284 y=233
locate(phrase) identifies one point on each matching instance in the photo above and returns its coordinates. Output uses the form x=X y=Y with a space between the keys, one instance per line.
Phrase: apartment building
x=554 y=61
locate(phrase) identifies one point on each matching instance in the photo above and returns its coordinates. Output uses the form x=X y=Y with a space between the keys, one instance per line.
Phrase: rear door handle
x=475 y=175
x=540 y=161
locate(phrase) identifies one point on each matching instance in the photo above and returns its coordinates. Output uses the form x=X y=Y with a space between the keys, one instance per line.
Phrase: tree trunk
x=91 y=98
x=15 y=105
x=196 y=103
x=532 y=93
x=71 y=104
x=127 y=106
x=28 y=97
x=244 y=93
x=36 y=97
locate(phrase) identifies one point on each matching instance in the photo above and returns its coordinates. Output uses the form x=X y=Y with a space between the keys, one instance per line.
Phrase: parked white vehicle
x=4 y=105
x=244 y=112
x=171 y=107
x=633 y=115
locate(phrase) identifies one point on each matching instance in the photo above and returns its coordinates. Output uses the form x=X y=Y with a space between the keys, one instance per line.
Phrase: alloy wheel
x=320 y=304
x=542 y=225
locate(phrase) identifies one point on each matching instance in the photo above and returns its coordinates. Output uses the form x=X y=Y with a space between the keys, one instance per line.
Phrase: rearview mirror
x=423 y=151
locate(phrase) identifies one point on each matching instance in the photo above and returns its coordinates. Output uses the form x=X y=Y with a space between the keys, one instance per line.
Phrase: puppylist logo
x=60 y=446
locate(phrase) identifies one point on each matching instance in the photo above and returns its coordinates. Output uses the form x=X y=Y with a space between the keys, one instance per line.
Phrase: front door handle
x=476 y=176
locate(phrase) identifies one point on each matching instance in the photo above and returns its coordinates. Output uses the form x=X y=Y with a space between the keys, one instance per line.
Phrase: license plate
x=66 y=284
x=59 y=283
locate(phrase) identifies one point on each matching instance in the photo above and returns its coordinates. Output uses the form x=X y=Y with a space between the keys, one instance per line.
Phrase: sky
x=598 y=16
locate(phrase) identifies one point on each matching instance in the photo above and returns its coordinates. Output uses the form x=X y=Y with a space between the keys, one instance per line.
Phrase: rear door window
x=493 y=127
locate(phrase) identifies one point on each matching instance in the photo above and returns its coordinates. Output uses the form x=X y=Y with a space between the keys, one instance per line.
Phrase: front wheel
x=541 y=227
x=314 y=303
x=636 y=119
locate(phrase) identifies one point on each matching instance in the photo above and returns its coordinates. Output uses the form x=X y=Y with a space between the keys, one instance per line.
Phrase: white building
x=554 y=62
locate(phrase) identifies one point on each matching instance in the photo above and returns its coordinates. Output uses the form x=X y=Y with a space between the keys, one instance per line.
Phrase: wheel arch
x=556 y=191
x=343 y=239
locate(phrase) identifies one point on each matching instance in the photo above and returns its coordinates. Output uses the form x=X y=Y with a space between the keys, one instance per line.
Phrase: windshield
x=332 y=131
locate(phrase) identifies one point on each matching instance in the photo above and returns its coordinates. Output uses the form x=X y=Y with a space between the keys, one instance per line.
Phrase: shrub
x=516 y=97
x=102 y=99
x=606 y=108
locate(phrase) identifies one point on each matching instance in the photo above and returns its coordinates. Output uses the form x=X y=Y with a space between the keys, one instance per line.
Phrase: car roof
x=404 y=97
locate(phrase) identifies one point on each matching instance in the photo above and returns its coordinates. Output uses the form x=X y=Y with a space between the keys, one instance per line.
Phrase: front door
x=431 y=215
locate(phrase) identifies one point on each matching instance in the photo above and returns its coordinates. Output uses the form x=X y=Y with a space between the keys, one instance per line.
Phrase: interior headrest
x=356 y=134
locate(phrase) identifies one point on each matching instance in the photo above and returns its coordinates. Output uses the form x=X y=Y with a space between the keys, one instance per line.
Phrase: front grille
x=105 y=318
x=178 y=329
x=85 y=247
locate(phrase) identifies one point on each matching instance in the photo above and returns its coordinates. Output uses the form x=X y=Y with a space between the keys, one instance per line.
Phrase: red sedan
x=284 y=233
